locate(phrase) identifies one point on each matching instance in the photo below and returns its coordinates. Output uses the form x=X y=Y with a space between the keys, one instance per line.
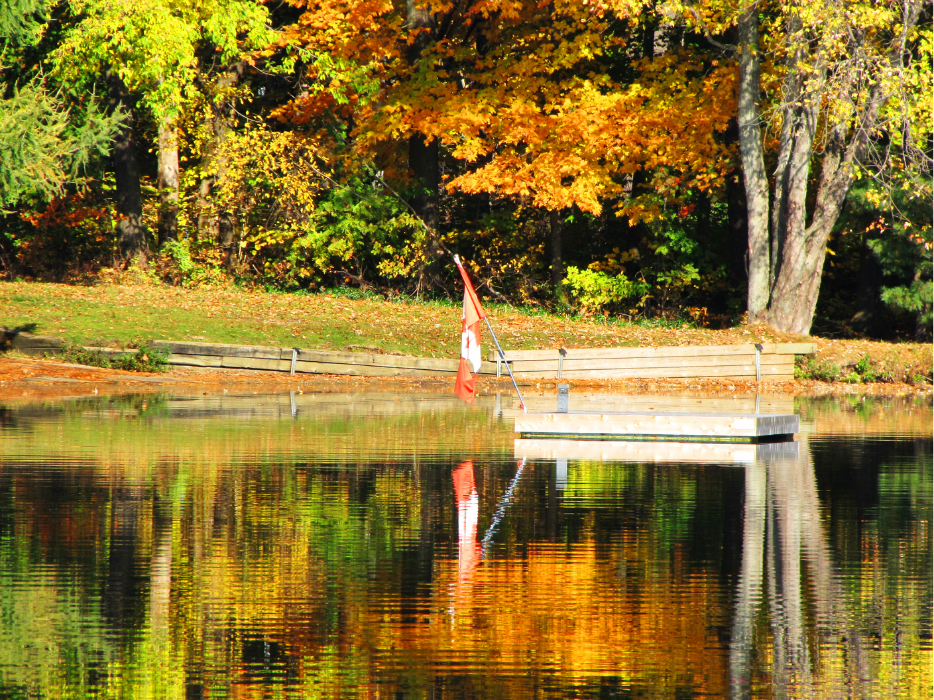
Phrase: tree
x=146 y=52
x=520 y=99
x=851 y=77
x=43 y=144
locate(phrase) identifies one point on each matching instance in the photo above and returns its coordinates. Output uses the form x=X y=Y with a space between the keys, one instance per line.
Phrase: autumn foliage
x=579 y=155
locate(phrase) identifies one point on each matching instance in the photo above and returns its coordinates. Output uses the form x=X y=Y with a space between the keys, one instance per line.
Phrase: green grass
x=338 y=319
x=132 y=315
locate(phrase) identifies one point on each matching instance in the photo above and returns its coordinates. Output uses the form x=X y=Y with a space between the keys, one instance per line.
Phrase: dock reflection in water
x=400 y=546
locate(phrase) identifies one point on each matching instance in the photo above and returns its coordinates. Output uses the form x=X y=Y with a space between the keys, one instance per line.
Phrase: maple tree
x=522 y=101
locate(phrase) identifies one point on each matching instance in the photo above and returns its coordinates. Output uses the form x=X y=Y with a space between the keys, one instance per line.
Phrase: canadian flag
x=473 y=313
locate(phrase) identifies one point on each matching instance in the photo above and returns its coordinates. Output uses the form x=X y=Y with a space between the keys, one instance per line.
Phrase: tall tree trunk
x=648 y=32
x=423 y=160
x=131 y=236
x=218 y=224
x=754 y=178
x=797 y=280
x=797 y=247
x=423 y=150
x=167 y=182
x=557 y=263
x=739 y=229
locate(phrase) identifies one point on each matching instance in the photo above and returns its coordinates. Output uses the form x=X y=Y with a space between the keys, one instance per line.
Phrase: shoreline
x=23 y=378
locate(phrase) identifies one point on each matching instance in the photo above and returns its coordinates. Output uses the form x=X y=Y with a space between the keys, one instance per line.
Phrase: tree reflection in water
x=782 y=527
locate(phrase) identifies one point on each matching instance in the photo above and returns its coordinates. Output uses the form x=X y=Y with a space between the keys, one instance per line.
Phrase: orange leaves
x=69 y=211
x=522 y=95
x=570 y=145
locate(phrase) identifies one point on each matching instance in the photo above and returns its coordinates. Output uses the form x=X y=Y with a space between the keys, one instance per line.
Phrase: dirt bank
x=28 y=378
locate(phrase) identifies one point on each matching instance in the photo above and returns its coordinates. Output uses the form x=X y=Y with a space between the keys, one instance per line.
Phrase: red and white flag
x=470 y=340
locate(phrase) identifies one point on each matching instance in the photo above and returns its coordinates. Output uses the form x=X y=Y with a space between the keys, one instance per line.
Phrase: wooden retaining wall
x=767 y=362
x=749 y=362
x=305 y=361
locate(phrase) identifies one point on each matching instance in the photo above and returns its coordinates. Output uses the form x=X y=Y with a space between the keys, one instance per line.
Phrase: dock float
x=644 y=451
x=633 y=425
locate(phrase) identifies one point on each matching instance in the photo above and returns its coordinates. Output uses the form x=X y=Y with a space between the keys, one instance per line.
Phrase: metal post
x=561 y=353
x=506 y=362
x=294 y=360
x=563 y=398
x=758 y=363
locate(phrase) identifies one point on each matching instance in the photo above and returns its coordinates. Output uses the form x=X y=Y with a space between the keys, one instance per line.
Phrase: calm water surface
x=404 y=546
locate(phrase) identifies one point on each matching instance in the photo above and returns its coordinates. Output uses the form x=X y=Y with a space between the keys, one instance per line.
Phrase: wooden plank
x=701 y=425
x=365 y=370
x=653 y=451
x=36 y=345
x=730 y=361
x=219 y=349
x=789 y=348
x=659 y=351
x=195 y=360
x=256 y=363
x=650 y=362
x=745 y=371
x=374 y=360
x=624 y=352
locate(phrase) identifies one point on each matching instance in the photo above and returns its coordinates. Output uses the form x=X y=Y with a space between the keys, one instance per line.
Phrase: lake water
x=402 y=546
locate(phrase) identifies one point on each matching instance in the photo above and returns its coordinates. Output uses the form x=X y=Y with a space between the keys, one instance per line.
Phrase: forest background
x=707 y=162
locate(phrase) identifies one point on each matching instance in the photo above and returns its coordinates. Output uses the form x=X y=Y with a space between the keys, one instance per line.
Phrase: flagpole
x=508 y=368
x=502 y=355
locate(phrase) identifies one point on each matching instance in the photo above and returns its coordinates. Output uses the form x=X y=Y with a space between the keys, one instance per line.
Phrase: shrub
x=145 y=359
x=594 y=290
x=823 y=371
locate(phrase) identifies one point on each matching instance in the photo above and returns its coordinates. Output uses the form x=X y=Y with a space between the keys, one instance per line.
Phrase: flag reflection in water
x=468 y=510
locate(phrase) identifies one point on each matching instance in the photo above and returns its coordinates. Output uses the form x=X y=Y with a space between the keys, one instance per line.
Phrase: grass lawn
x=127 y=315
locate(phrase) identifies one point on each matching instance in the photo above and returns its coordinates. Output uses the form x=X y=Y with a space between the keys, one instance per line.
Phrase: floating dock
x=644 y=451
x=632 y=425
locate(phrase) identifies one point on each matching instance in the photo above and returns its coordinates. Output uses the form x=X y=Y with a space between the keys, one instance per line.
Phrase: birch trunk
x=754 y=178
x=167 y=182
x=557 y=263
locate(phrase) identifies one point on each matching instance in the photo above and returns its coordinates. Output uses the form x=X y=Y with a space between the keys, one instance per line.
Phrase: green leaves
x=152 y=44
x=594 y=290
x=41 y=146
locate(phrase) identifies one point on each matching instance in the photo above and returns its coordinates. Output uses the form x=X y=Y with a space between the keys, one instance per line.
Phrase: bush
x=594 y=290
x=823 y=371
x=145 y=359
